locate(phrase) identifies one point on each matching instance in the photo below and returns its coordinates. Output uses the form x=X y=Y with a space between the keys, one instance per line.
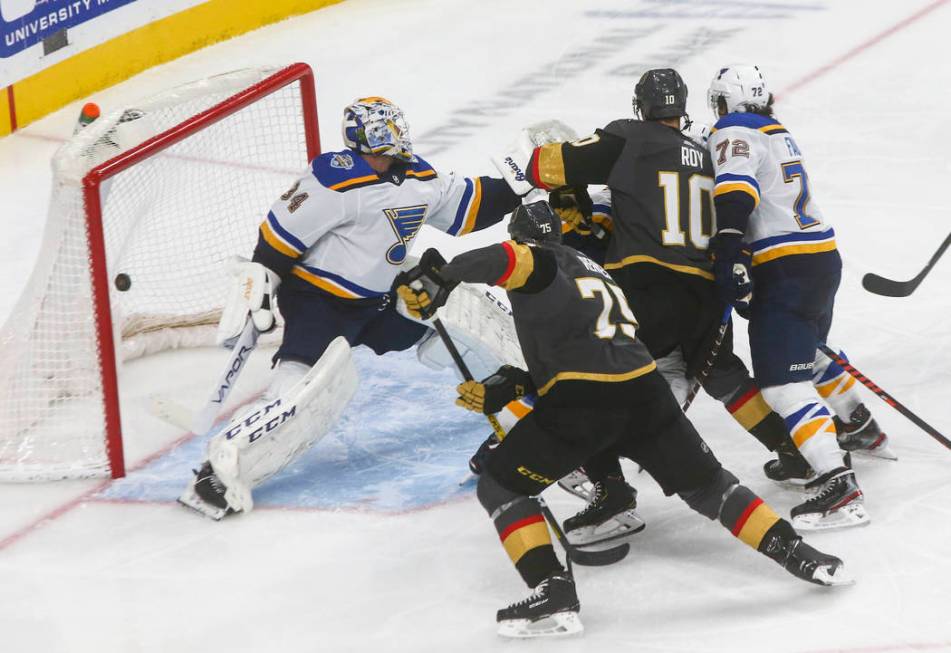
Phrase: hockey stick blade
x=582 y=557
x=599 y=558
x=890 y=288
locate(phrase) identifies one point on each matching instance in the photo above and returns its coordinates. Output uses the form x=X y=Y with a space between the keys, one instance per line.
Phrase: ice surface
x=368 y=543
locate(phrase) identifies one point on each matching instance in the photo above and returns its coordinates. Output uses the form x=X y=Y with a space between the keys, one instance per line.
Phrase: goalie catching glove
x=491 y=395
x=421 y=288
x=253 y=292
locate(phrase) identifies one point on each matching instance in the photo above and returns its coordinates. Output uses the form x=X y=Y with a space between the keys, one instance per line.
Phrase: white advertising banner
x=32 y=35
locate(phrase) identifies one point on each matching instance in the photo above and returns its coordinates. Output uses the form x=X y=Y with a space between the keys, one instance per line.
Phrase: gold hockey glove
x=490 y=395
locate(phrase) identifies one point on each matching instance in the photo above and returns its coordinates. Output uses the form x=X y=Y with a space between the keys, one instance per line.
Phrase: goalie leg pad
x=271 y=435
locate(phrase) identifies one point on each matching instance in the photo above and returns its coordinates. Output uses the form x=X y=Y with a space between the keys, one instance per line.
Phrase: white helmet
x=374 y=125
x=742 y=87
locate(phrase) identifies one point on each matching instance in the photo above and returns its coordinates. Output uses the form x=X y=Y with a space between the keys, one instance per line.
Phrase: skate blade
x=849 y=516
x=190 y=499
x=882 y=451
x=833 y=576
x=561 y=624
x=616 y=530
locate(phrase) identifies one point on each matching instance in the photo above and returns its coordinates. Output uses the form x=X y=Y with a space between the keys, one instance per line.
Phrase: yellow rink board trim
x=144 y=47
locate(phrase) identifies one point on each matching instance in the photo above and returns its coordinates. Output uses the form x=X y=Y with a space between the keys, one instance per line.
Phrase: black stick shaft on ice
x=887 y=398
x=891 y=288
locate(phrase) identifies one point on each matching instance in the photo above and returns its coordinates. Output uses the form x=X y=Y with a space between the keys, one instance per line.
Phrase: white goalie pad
x=480 y=326
x=513 y=161
x=269 y=436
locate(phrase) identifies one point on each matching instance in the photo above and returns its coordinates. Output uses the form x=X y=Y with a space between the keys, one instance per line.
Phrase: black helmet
x=660 y=93
x=535 y=222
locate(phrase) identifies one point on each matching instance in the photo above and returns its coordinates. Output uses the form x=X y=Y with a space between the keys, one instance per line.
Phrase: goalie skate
x=550 y=611
x=208 y=501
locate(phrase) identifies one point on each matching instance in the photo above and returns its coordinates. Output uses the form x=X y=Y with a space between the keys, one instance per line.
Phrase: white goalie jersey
x=350 y=229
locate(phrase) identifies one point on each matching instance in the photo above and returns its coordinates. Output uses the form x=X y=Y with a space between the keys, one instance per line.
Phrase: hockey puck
x=123 y=282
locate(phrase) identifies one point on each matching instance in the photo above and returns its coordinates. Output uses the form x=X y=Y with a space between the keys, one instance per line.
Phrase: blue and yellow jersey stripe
x=333 y=283
x=601 y=214
x=468 y=208
x=770 y=249
x=280 y=238
x=730 y=183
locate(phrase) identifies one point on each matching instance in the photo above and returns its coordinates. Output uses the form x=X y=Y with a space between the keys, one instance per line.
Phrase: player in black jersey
x=662 y=216
x=598 y=388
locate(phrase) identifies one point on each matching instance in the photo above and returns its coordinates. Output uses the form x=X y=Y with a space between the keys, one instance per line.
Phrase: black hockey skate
x=577 y=483
x=481 y=456
x=789 y=467
x=206 y=494
x=805 y=562
x=862 y=435
x=608 y=518
x=838 y=503
x=551 y=611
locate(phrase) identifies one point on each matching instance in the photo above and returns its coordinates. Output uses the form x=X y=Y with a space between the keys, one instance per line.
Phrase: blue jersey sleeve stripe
x=461 y=210
x=743 y=119
x=284 y=234
x=602 y=208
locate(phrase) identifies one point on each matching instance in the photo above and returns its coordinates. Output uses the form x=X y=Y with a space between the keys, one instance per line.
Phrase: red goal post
x=163 y=193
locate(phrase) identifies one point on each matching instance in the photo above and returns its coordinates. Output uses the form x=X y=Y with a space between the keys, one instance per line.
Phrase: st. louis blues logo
x=406 y=222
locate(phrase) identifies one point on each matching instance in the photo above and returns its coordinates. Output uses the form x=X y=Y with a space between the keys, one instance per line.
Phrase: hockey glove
x=253 y=292
x=574 y=206
x=490 y=395
x=422 y=288
x=732 y=260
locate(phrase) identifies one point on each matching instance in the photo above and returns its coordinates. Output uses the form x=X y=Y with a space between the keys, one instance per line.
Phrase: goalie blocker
x=271 y=434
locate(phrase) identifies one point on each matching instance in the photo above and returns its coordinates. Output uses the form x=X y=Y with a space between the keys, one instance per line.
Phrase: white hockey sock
x=809 y=424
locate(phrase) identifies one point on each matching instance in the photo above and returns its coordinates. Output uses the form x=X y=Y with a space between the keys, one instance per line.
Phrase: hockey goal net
x=148 y=204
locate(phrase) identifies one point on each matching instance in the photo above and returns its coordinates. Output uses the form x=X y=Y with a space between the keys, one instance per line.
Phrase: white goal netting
x=171 y=218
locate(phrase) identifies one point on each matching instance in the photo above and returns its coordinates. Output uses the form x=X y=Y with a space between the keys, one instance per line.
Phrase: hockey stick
x=581 y=556
x=890 y=288
x=708 y=364
x=205 y=418
x=887 y=398
x=464 y=370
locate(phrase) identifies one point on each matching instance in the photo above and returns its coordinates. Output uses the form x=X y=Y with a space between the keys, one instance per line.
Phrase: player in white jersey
x=776 y=262
x=328 y=252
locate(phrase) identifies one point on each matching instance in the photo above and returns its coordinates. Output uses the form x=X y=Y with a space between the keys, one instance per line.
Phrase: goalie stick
x=887 y=398
x=205 y=418
x=890 y=288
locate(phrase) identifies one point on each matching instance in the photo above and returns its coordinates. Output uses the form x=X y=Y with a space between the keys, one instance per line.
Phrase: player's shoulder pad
x=420 y=169
x=754 y=121
x=621 y=127
x=343 y=171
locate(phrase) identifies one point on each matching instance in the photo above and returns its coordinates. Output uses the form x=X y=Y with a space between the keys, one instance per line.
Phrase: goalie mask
x=738 y=88
x=660 y=93
x=536 y=223
x=374 y=125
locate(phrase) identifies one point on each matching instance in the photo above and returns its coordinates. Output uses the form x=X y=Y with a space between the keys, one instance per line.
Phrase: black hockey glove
x=490 y=395
x=574 y=206
x=422 y=288
x=732 y=260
